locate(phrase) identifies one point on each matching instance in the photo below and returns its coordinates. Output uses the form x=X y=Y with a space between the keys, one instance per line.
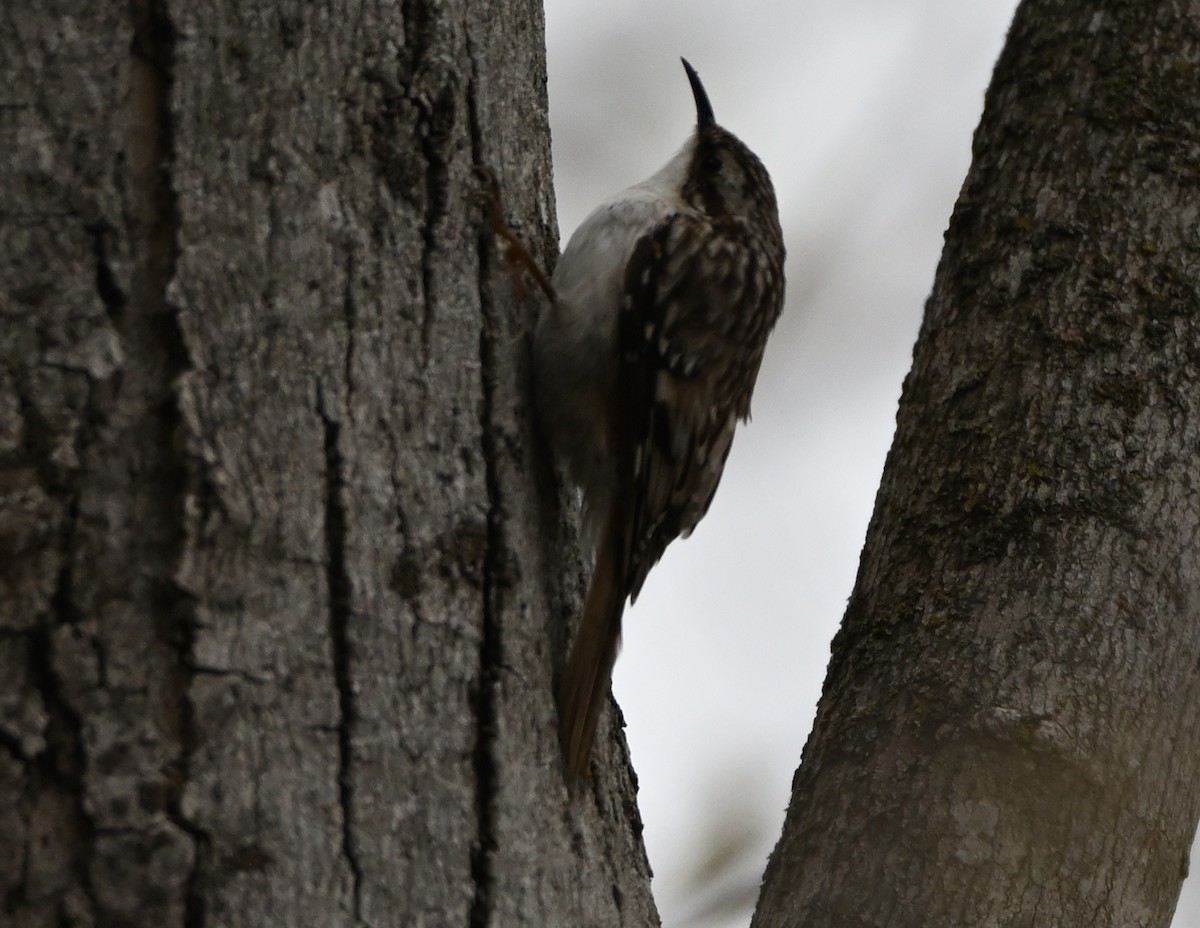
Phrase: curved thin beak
x=704 y=112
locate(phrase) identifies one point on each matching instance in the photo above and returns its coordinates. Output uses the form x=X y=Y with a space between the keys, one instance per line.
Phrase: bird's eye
x=711 y=164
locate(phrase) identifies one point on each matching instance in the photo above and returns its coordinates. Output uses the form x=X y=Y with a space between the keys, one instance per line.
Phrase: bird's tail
x=584 y=686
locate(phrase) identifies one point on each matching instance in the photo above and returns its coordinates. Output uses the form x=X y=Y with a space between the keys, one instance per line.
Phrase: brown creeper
x=644 y=364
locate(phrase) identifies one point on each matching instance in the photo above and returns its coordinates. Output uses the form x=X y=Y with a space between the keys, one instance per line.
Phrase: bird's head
x=724 y=178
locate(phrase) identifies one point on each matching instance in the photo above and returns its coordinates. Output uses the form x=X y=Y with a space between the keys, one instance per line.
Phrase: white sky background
x=863 y=111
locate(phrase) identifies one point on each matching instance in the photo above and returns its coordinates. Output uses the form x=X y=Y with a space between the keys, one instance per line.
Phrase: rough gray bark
x=1010 y=729
x=279 y=555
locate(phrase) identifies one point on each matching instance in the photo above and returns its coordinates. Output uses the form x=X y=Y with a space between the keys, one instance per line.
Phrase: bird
x=644 y=362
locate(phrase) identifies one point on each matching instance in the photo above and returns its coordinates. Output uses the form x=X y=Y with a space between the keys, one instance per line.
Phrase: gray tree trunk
x=1010 y=729
x=280 y=559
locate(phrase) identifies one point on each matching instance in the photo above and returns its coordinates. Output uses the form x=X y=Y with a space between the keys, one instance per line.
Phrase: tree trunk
x=1010 y=729
x=280 y=561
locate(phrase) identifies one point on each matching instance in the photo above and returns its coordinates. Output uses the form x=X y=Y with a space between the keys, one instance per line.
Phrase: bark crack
x=491 y=644
x=490 y=653
x=435 y=116
x=338 y=584
x=107 y=287
x=11 y=744
x=148 y=322
x=64 y=760
x=350 y=308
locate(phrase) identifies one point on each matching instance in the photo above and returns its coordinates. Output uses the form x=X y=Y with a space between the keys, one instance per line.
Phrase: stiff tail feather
x=584 y=686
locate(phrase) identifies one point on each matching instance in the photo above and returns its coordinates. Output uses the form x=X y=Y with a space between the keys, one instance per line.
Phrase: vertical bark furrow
x=156 y=218
x=491 y=642
x=490 y=661
x=61 y=766
x=340 y=617
x=432 y=92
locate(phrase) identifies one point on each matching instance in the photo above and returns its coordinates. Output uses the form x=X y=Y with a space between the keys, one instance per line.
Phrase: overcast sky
x=863 y=112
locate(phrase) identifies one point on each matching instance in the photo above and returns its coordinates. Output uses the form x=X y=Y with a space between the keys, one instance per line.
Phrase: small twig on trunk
x=514 y=252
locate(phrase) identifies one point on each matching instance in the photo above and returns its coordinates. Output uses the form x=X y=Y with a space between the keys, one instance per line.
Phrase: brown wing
x=691 y=336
